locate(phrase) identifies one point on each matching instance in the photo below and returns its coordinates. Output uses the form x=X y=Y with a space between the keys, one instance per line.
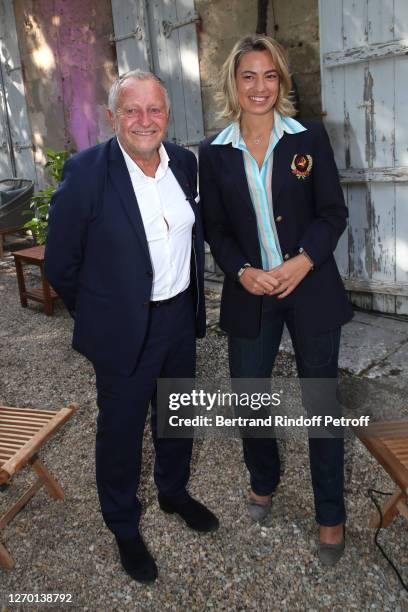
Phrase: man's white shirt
x=168 y=220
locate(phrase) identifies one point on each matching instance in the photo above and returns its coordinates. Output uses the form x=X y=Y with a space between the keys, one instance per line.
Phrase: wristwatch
x=242 y=270
x=309 y=259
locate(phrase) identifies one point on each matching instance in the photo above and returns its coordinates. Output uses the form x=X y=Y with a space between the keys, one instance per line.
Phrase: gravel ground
x=65 y=547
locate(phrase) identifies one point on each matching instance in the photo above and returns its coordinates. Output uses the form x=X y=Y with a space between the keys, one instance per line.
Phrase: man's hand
x=289 y=275
x=259 y=282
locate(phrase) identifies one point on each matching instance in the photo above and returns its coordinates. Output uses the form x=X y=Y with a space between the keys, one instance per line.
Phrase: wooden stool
x=22 y=434
x=388 y=443
x=45 y=294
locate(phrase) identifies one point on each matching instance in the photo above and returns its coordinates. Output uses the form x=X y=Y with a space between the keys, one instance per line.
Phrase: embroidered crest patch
x=301 y=165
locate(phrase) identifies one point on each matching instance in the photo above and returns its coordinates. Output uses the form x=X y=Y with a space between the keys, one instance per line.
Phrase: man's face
x=141 y=117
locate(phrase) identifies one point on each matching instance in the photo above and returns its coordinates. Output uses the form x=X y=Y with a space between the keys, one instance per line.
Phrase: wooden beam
x=372 y=286
x=368 y=52
x=367 y=175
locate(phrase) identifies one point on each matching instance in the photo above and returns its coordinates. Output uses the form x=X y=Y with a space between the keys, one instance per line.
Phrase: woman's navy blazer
x=309 y=212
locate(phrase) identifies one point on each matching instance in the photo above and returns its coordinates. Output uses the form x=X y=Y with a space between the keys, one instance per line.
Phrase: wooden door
x=161 y=37
x=364 y=46
x=16 y=148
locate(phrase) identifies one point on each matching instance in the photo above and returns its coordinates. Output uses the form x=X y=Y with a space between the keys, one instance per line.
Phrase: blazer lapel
x=233 y=165
x=119 y=176
x=279 y=170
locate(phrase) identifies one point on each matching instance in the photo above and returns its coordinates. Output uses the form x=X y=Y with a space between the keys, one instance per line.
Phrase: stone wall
x=68 y=64
x=294 y=23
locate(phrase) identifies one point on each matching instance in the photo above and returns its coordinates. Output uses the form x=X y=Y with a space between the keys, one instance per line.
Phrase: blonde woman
x=274 y=212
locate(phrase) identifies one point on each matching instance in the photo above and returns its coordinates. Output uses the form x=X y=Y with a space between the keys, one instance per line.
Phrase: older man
x=125 y=253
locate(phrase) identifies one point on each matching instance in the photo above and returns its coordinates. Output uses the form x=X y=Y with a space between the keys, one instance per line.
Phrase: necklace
x=257 y=141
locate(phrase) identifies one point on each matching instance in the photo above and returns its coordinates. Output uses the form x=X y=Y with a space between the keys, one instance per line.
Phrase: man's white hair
x=139 y=75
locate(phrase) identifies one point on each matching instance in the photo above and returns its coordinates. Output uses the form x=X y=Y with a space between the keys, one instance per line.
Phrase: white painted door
x=16 y=149
x=364 y=46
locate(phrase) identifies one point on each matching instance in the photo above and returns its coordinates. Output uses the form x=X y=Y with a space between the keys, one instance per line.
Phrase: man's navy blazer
x=309 y=212
x=97 y=256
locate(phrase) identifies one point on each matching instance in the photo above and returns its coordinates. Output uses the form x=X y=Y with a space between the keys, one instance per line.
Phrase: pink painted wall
x=69 y=64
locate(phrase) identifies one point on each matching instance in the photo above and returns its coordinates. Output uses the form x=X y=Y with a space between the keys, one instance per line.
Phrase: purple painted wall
x=69 y=64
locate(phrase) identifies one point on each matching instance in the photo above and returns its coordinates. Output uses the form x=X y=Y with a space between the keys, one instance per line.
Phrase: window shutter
x=16 y=131
x=161 y=36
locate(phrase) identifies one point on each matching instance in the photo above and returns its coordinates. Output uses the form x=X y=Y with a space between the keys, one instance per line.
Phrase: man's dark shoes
x=136 y=559
x=196 y=515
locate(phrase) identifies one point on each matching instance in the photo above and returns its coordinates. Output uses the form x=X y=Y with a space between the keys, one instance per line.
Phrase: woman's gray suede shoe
x=330 y=554
x=258 y=511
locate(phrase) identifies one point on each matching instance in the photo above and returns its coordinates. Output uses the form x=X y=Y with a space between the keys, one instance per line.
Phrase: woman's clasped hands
x=279 y=281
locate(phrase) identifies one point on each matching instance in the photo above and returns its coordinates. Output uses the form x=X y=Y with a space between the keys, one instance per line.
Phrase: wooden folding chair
x=22 y=434
x=388 y=442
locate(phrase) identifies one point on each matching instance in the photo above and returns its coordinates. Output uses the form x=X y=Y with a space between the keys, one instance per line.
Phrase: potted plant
x=40 y=202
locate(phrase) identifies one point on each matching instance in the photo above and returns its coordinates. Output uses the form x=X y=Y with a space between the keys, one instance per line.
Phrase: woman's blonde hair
x=228 y=96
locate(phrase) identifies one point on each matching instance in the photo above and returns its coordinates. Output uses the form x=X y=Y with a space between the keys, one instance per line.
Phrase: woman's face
x=257 y=82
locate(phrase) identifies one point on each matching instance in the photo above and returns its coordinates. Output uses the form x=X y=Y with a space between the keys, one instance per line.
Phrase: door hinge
x=168 y=26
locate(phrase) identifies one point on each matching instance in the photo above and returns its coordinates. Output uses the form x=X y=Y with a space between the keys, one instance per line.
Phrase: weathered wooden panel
x=385 y=175
x=360 y=240
x=382 y=74
x=16 y=108
x=331 y=26
x=360 y=250
x=375 y=170
x=131 y=35
x=382 y=194
x=331 y=39
x=401 y=154
x=368 y=52
x=401 y=111
x=175 y=57
x=161 y=36
x=355 y=25
x=383 y=241
x=358 y=116
x=191 y=72
x=371 y=286
x=5 y=161
x=380 y=15
x=401 y=158
x=400 y=19
x=401 y=243
x=334 y=105
x=167 y=63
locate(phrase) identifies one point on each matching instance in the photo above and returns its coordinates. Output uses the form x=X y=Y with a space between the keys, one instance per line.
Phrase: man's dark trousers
x=168 y=352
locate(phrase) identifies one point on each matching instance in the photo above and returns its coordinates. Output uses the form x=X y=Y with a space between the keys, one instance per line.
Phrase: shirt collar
x=134 y=169
x=232 y=133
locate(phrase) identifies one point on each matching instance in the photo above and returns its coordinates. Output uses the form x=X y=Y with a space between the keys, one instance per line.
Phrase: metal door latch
x=138 y=33
x=168 y=26
x=9 y=69
x=19 y=147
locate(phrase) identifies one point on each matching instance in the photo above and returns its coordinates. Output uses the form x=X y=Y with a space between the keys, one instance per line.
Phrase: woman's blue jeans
x=316 y=358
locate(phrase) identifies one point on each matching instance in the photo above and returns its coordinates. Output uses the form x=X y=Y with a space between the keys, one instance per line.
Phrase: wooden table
x=387 y=441
x=34 y=256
